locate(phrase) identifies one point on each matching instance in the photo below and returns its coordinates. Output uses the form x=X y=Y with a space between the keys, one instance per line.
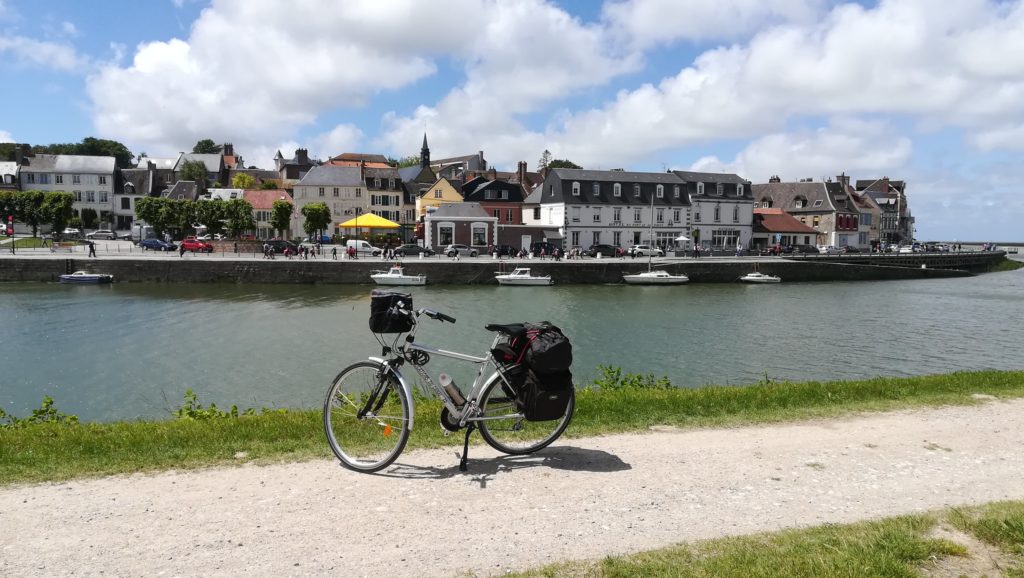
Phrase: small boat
x=522 y=276
x=83 y=278
x=758 y=277
x=657 y=277
x=396 y=276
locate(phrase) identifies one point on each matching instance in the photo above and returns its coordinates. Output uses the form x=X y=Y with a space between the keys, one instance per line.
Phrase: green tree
x=28 y=209
x=57 y=207
x=243 y=181
x=409 y=161
x=239 y=217
x=211 y=214
x=182 y=215
x=563 y=164
x=151 y=210
x=8 y=203
x=206 y=147
x=269 y=185
x=281 y=216
x=317 y=216
x=89 y=218
x=545 y=158
x=194 y=171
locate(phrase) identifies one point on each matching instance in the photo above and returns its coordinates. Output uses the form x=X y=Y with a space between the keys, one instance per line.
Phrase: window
x=103 y=179
x=58 y=179
x=44 y=178
x=479 y=235
x=76 y=179
x=636 y=215
x=575 y=189
x=504 y=195
x=675 y=215
x=617 y=214
x=696 y=215
x=126 y=203
x=724 y=238
x=376 y=182
x=575 y=214
x=597 y=215
x=536 y=213
x=496 y=213
x=30 y=177
x=321 y=191
x=597 y=238
x=660 y=191
x=675 y=191
x=636 y=189
x=391 y=184
x=700 y=188
x=597 y=188
x=817 y=203
x=718 y=213
x=445 y=234
x=616 y=238
x=719 y=189
x=799 y=202
x=617 y=190
x=335 y=192
x=575 y=236
x=862 y=239
x=78 y=196
x=739 y=190
x=90 y=196
x=660 y=215
x=865 y=219
x=508 y=216
x=359 y=193
x=736 y=214
x=437 y=194
x=103 y=196
x=817 y=221
x=489 y=195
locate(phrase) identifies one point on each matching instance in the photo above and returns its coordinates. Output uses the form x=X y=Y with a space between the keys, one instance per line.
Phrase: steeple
x=424 y=153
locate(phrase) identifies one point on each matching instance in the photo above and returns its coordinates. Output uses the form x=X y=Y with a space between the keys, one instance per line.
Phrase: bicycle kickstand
x=465 y=447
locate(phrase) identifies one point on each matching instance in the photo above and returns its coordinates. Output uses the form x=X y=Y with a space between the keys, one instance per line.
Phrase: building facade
x=90 y=179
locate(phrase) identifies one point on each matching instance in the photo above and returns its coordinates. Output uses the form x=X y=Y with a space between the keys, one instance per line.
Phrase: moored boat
x=758 y=277
x=657 y=277
x=522 y=276
x=396 y=276
x=84 y=278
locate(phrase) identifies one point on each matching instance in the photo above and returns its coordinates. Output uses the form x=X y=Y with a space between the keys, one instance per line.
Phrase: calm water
x=129 y=351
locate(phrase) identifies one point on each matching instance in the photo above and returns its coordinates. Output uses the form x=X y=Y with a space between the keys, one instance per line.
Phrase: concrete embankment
x=196 y=269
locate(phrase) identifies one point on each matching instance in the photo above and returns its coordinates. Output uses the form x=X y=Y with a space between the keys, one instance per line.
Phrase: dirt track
x=583 y=498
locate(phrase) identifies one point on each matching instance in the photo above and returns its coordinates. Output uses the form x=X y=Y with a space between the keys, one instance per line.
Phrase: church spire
x=424 y=153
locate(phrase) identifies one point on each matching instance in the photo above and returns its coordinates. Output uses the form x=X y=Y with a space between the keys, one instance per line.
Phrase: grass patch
x=1005 y=265
x=53 y=451
x=1000 y=524
x=893 y=547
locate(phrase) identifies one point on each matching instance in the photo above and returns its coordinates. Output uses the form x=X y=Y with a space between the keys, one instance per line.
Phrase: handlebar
x=436 y=315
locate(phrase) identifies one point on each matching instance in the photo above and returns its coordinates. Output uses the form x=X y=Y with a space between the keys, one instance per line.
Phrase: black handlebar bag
x=390 y=312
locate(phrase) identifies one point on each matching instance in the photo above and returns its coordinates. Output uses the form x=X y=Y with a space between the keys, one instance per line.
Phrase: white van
x=362 y=247
x=141 y=231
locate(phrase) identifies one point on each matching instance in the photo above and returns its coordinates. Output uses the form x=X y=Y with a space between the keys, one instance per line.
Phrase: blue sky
x=798 y=88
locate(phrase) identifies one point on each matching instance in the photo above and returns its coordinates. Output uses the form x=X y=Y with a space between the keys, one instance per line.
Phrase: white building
x=90 y=179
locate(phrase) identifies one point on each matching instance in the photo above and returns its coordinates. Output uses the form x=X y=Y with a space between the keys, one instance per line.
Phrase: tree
x=57 y=207
x=152 y=211
x=281 y=216
x=194 y=171
x=28 y=209
x=206 y=147
x=545 y=158
x=409 y=161
x=239 y=217
x=243 y=181
x=89 y=218
x=181 y=214
x=211 y=214
x=269 y=185
x=563 y=164
x=317 y=216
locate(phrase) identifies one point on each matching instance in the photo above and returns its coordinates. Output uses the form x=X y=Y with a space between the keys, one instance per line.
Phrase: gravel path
x=583 y=498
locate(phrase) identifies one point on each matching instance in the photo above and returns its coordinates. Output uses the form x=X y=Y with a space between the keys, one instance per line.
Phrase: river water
x=130 y=351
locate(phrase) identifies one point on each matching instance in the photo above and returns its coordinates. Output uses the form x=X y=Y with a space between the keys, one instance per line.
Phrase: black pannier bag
x=547 y=349
x=384 y=314
x=545 y=396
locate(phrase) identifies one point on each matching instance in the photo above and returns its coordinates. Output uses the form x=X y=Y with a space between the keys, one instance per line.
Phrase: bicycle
x=369 y=410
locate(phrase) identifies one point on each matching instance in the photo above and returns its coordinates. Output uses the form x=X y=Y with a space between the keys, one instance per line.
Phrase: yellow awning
x=368 y=221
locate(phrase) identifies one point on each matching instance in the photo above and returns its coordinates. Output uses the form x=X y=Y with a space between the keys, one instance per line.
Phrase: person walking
x=334 y=253
x=92 y=249
x=181 y=250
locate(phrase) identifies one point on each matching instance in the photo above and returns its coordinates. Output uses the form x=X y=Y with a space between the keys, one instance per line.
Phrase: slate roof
x=225 y=194
x=875 y=185
x=478 y=194
x=783 y=196
x=70 y=164
x=263 y=199
x=381 y=173
x=332 y=176
x=140 y=179
x=557 y=188
x=167 y=164
x=370 y=158
x=212 y=162
x=183 y=190
x=774 y=220
x=459 y=210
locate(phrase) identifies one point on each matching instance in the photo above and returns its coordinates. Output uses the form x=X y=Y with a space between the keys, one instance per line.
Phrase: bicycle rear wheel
x=508 y=431
x=366 y=417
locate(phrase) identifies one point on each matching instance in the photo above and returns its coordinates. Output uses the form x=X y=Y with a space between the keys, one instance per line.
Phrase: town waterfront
x=129 y=351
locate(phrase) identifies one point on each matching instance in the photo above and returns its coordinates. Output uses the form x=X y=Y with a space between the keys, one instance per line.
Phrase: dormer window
x=597 y=188
x=675 y=191
x=766 y=202
x=817 y=203
x=700 y=188
x=129 y=189
x=391 y=184
x=799 y=202
x=719 y=189
x=660 y=191
x=739 y=190
x=376 y=183
x=617 y=190
x=575 y=189
x=636 y=189
x=504 y=194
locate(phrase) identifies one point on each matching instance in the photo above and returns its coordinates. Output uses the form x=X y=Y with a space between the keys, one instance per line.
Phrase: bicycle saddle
x=511 y=329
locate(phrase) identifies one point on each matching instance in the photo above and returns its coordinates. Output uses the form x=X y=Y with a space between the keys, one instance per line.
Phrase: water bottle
x=453 y=390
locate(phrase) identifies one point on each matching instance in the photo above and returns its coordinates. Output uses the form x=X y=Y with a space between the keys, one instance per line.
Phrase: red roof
x=261 y=199
x=779 y=221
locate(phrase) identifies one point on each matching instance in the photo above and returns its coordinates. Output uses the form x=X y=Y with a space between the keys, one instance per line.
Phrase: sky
x=924 y=91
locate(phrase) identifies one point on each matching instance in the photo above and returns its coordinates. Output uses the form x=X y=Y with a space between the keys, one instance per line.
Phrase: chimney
x=492 y=174
x=483 y=163
x=885 y=184
x=774 y=179
x=844 y=179
x=229 y=149
x=521 y=172
x=302 y=156
x=362 y=169
x=19 y=155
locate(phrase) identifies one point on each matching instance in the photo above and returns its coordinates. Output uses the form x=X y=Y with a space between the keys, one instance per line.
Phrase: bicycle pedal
x=447 y=432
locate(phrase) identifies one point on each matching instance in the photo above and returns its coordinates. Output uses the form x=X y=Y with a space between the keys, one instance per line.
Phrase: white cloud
x=69 y=29
x=845 y=145
x=6 y=136
x=41 y=54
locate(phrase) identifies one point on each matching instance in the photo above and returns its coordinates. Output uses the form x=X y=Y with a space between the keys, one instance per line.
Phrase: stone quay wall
x=481 y=270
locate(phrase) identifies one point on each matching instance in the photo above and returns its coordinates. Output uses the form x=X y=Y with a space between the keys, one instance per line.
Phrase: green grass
x=53 y=452
x=895 y=547
x=1005 y=265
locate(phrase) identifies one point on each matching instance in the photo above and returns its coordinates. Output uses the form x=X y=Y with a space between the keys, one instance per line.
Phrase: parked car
x=645 y=250
x=604 y=250
x=412 y=249
x=806 y=249
x=157 y=245
x=71 y=233
x=460 y=250
x=847 y=249
x=828 y=250
x=195 y=245
x=279 y=245
x=211 y=237
x=102 y=234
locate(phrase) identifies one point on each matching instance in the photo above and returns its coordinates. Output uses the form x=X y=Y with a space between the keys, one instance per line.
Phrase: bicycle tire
x=516 y=435
x=373 y=442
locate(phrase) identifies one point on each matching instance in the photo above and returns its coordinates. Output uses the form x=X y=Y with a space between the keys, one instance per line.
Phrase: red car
x=194 y=245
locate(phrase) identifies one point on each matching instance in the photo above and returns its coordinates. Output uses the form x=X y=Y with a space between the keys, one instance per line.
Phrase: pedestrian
x=334 y=253
x=181 y=250
x=696 y=251
x=266 y=250
x=236 y=247
x=92 y=249
x=542 y=253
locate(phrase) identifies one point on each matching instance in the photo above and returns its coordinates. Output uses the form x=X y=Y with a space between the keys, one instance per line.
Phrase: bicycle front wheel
x=366 y=417
x=505 y=428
